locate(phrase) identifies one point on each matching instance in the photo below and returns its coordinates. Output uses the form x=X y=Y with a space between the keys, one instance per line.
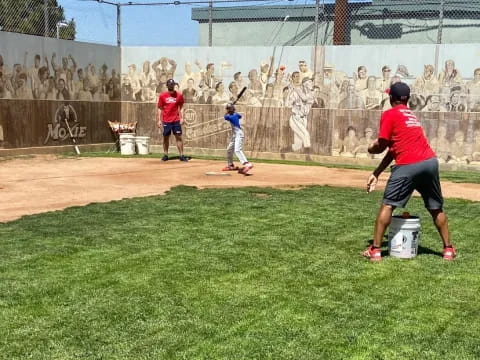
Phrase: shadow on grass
x=424 y=250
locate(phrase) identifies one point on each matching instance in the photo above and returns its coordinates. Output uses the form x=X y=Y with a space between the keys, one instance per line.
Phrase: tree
x=30 y=17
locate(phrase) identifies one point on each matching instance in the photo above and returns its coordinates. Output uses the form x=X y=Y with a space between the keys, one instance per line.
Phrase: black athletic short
x=421 y=176
x=172 y=127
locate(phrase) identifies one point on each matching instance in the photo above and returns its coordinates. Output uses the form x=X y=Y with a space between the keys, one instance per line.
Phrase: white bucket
x=143 y=145
x=127 y=143
x=404 y=236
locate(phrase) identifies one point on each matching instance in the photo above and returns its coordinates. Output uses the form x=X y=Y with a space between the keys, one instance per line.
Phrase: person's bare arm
x=160 y=117
x=54 y=62
x=25 y=68
x=180 y=114
x=270 y=68
x=74 y=63
x=373 y=178
x=155 y=65
x=173 y=65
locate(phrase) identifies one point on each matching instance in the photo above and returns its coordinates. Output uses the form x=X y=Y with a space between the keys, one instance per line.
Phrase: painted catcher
x=236 y=142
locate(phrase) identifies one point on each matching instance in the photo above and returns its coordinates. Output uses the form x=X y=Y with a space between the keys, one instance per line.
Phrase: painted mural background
x=306 y=100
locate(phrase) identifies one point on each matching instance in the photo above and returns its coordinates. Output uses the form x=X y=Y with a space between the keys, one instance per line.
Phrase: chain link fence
x=246 y=23
x=64 y=19
x=341 y=22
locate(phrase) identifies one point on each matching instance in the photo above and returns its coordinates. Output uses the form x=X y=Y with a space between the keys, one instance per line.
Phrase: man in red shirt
x=416 y=168
x=170 y=104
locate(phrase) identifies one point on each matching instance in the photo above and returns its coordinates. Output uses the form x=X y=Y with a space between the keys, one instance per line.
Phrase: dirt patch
x=46 y=183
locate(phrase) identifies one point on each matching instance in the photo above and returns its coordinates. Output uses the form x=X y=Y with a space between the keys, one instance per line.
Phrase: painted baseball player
x=300 y=100
x=236 y=142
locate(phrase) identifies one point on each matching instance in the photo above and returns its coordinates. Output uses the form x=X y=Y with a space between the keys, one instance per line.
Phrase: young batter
x=236 y=142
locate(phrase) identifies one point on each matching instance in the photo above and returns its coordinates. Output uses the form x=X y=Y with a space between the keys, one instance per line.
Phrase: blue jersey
x=234 y=119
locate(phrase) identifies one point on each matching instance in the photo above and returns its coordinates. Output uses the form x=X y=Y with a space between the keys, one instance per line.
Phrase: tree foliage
x=29 y=17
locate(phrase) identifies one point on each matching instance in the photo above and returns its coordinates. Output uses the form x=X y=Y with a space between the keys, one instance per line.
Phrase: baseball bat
x=239 y=95
x=77 y=150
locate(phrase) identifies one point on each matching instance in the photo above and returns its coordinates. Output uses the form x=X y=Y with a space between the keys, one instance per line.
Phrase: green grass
x=454 y=176
x=234 y=274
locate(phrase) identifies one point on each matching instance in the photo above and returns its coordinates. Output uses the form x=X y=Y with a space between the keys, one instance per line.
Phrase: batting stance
x=300 y=100
x=416 y=168
x=236 y=142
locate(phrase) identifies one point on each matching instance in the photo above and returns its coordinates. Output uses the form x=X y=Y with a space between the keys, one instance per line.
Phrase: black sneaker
x=183 y=158
x=165 y=158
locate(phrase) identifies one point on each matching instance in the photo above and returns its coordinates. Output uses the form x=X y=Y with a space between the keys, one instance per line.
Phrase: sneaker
x=230 y=167
x=374 y=254
x=246 y=168
x=165 y=158
x=183 y=158
x=449 y=253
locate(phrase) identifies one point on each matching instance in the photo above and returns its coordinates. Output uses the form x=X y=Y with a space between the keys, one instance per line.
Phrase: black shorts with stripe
x=421 y=176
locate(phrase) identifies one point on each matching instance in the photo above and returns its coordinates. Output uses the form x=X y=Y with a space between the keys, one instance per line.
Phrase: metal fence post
x=439 y=33
x=440 y=22
x=45 y=17
x=315 y=43
x=119 y=25
x=210 y=8
x=315 y=34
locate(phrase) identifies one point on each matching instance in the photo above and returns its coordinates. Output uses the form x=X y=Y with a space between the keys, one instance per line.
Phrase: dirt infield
x=46 y=183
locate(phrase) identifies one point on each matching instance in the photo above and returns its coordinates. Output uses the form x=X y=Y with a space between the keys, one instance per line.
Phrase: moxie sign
x=58 y=130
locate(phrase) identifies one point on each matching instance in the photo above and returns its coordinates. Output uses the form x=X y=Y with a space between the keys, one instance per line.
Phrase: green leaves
x=29 y=17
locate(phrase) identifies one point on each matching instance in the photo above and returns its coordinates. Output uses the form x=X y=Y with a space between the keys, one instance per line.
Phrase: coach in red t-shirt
x=170 y=104
x=416 y=168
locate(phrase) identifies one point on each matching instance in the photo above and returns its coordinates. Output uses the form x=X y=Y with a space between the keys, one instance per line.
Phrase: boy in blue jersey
x=236 y=142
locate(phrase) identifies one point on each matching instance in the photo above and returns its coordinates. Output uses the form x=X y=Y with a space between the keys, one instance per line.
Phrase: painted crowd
x=57 y=79
x=270 y=87
x=293 y=87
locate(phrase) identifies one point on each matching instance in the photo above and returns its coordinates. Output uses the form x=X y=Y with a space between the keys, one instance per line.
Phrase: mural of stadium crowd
x=272 y=87
x=54 y=78
x=270 y=84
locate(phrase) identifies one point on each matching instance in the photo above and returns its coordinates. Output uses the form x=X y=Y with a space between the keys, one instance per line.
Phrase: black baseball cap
x=400 y=91
x=170 y=82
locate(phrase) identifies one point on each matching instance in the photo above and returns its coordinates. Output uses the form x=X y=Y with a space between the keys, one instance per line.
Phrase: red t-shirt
x=405 y=135
x=170 y=105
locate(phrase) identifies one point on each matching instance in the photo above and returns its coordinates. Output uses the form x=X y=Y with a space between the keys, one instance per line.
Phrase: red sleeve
x=180 y=100
x=160 y=101
x=386 y=126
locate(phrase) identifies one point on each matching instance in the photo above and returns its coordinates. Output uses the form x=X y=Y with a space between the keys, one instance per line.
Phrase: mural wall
x=443 y=78
x=33 y=67
x=324 y=101
x=329 y=132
